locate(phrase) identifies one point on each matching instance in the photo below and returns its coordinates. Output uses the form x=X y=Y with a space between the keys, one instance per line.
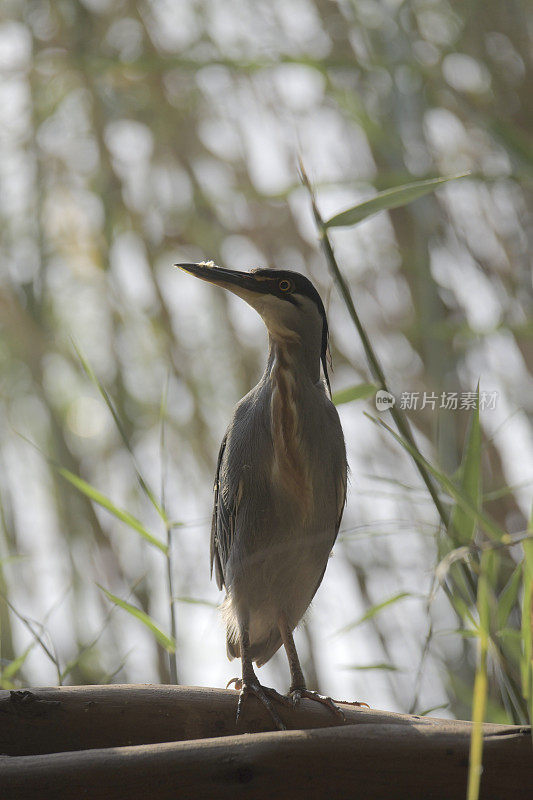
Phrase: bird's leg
x=250 y=683
x=298 y=688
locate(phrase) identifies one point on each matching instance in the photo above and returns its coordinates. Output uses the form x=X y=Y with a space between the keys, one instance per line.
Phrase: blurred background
x=138 y=134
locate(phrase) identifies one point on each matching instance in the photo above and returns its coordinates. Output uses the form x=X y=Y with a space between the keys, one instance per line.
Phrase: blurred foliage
x=138 y=134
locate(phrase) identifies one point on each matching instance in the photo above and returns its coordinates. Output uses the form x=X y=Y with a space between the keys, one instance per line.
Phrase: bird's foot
x=297 y=695
x=272 y=693
x=264 y=694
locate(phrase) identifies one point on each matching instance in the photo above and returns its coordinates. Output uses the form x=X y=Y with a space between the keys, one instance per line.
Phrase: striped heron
x=280 y=484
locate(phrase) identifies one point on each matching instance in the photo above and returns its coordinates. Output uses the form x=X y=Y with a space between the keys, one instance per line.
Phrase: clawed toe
x=263 y=694
x=268 y=696
x=279 y=698
x=297 y=695
x=358 y=703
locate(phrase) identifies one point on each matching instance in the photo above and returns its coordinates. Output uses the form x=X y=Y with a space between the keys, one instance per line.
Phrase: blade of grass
x=526 y=665
x=465 y=553
x=38 y=637
x=483 y=520
x=108 y=676
x=509 y=597
x=118 y=422
x=359 y=392
x=375 y=609
x=399 y=419
x=465 y=633
x=162 y=442
x=445 y=564
x=73 y=663
x=11 y=669
x=502 y=646
x=368 y=667
x=433 y=708
x=480 y=681
x=196 y=601
x=462 y=528
x=173 y=666
x=510 y=633
x=504 y=491
x=390 y=198
x=164 y=640
x=463 y=525
x=98 y=497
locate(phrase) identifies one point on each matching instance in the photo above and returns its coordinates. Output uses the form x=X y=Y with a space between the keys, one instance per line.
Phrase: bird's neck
x=293 y=356
x=289 y=373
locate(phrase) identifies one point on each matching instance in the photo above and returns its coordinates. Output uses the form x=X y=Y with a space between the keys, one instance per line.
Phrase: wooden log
x=156 y=742
x=82 y=717
x=374 y=761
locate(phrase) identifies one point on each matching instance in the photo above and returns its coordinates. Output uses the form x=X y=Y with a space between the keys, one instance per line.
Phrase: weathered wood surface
x=52 y=720
x=376 y=755
x=374 y=762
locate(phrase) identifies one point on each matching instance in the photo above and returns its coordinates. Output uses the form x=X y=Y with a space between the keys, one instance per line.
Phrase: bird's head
x=289 y=304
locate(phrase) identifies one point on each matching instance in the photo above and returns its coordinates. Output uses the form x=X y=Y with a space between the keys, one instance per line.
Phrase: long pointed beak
x=227 y=278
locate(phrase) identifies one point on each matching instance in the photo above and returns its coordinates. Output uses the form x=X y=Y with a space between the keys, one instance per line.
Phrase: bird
x=280 y=485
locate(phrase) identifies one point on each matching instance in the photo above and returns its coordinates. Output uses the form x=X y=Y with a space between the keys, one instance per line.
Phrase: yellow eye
x=285 y=285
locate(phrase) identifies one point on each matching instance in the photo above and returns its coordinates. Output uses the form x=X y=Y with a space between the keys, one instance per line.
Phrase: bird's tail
x=261 y=650
x=232 y=648
x=232 y=629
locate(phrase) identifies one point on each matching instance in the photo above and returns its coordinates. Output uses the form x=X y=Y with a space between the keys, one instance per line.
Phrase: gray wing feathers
x=228 y=495
x=341 y=496
x=221 y=525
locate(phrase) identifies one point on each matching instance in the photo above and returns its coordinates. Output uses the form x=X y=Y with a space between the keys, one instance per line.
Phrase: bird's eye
x=285 y=285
